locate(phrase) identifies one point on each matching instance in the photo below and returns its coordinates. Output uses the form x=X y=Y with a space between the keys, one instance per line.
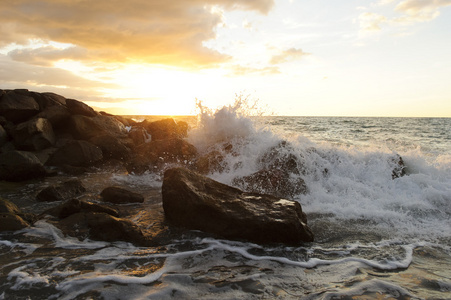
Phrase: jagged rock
x=7 y=206
x=85 y=128
x=281 y=157
x=275 y=182
x=76 y=153
x=47 y=100
x=79 y=108
x=65 y=191
x=110 y=125
x=20 y=165
x=400 y=168
x=11 y=222
x=11 y=217
x=139 y=136
x=75 y=206
x=3 y=136
x=57 y=115
x=197 y=202
x=119 y=195
x=211 y=162
x=166 y=129
x=16 y=107
x=34 y=135
x=103 y=227
x=169 y=150
x=111 y=147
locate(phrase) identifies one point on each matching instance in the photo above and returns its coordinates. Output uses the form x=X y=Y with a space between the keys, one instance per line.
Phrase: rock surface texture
x=196 y=202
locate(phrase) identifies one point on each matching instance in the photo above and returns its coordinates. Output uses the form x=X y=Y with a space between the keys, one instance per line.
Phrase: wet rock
x=76 y=153
x=166 y=129
x=111 y=147
x=17 y=107
x=139 y=136
x=400 y=168
x=12 y=218
x=79 y=108
x=120 y=195
x=169 y=150
x=34 y=135
x=64 y=191
x=211 y=162
x=274 y=182
x=7 y=206
x=20 y=165
x=110 y=125
x=11 y=222
x=196 y=202
x=281 y=157
x=75 y=206
x=103 y=227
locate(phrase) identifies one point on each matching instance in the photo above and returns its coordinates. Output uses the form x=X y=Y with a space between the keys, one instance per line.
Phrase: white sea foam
x=43 y=229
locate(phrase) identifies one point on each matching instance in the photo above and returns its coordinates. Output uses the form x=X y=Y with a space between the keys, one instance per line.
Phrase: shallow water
x=376 y=237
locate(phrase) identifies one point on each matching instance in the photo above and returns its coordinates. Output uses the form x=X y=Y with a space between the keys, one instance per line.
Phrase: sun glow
x=160 y=91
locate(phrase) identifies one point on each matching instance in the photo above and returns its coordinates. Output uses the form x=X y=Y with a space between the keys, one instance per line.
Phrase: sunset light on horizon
x=387 y=58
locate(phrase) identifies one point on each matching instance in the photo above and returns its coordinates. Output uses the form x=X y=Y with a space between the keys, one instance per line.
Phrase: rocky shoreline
x=44 y=135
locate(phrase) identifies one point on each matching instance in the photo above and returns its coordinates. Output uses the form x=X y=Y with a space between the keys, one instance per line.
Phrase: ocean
x=377 y=236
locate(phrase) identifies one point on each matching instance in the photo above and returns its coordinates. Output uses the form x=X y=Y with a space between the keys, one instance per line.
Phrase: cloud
x=411 y=12
x=157 y=31
x=238 y=70
x=14 y=73
x=288 y=55
x=371 y=21
x=420 y=10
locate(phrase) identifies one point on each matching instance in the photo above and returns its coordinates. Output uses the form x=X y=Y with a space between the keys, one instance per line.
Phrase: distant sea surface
x=377 y=236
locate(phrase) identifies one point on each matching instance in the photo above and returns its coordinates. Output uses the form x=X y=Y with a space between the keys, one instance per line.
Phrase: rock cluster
x=40 y=132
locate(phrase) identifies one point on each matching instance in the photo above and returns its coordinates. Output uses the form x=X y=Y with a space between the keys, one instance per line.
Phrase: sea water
x=376 y=236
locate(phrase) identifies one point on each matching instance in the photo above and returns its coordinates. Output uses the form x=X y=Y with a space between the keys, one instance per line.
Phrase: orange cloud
x=158 y=31
x=288 y=55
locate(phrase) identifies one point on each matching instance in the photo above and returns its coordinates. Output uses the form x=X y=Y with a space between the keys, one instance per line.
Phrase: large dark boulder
x=196 y=202
x=85 y=128
x=20 y=165
x=57 y=115
x=118 y=195
x=79 y=108
x=169 y=150
x=47 y=100
x=64 y=191
x=166 y=129
x=139 y=136
x=111 y=147
x=34 y=135
x=77 y=154
x=17 y=107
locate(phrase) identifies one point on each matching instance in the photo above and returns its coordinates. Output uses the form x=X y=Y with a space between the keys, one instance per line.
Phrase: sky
x=295 y=57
